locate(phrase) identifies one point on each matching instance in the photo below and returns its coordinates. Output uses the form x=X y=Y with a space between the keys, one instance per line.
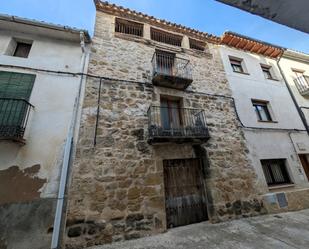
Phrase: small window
x=22 y=49
x=267 y=72
x=129 y=27
x=237 y=65
x=165 y=37
x=261 y=110
x=275 y=172
x=197 y=45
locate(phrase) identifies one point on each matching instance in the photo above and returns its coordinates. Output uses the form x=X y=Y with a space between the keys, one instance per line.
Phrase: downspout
x=69 y=146
x=301 y=114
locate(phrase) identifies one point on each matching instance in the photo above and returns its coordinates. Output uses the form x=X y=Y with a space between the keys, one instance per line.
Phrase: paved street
x=284 y=231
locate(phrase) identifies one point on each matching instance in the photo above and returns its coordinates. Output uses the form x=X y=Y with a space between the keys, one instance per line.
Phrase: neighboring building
x=37 y=111
x=160 y=144
x=293 y=14
x=295 y=67
x=275 y=134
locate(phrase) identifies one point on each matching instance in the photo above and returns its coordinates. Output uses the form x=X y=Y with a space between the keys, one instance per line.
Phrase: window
x=267 y=72
x=275 y=172
x=197 y=45
x=129 y=27
x=165 y=37
x=237 y=65
x=15 y=90
x=261 y=110
x=22 y=49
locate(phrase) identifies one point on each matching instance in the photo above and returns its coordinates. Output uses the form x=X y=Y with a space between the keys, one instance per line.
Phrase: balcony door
x=165 y=62
x=170 y=114
x=304 y=161
x=15 y=90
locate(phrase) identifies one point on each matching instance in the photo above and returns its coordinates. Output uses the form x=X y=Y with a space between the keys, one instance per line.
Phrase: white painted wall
x=53 y=96
x=266 y=144
x=287 y=64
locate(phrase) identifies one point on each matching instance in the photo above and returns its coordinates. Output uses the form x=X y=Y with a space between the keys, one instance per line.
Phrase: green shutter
x=14 y=88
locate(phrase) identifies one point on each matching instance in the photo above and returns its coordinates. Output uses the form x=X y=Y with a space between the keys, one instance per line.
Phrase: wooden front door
x=185 y=199
x=305 y=164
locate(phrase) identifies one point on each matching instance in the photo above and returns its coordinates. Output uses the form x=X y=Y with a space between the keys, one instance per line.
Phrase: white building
x=39 y=99
x=275 y=134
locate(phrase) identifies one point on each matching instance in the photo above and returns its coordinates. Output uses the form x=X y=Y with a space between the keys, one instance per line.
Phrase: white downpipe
x=67 y=154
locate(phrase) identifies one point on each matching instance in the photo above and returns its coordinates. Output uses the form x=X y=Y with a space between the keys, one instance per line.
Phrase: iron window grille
x=261 y=110
x=129 y=27
x=14 y=115
x=197 y=45
x=165 y=37
x=275 y=172
x=302 y=84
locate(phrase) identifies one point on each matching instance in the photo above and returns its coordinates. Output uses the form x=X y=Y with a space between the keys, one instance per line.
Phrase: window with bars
x=267 y=72
x=261 y=110
x=197 y=45
x=275 y=172
x=236 y=65
x=165 y=37
x=129 y=27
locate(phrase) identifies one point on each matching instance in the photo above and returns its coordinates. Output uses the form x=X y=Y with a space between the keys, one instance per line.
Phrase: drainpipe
x=69 y=146
x=301 y=114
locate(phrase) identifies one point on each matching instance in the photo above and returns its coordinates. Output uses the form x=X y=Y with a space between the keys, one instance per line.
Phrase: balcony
x=302 y=84
x=14 y=115
x=171 y=71
x=176 y=125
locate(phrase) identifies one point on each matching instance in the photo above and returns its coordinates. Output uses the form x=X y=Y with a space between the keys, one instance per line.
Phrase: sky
x=204 y=15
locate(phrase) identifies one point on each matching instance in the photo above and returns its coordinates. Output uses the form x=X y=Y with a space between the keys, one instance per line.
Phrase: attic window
x=165 y=37
x=19 y=48
x=197 y=45
x=129 y=27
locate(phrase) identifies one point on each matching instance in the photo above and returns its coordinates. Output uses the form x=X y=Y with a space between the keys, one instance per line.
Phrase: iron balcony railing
x=302 y=84
x=167 y=124
x=14 y=115
x=169 y=69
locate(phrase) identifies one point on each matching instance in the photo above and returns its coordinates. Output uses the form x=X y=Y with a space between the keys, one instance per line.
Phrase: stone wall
x=117 y=189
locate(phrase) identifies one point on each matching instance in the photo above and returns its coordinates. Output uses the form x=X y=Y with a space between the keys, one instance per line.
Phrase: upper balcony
x=171 y=71
x=302 y=84
x=169 y=124
x=14 y=115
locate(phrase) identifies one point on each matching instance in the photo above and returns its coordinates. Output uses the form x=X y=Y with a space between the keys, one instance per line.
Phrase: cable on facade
x=150 y=85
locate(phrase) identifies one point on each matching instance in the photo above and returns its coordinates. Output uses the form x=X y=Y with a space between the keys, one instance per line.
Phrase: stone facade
x=117 y=189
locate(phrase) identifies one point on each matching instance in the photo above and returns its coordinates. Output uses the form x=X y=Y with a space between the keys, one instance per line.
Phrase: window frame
x=22 y=45
x=197 y=45
x=131 y=26
x=265 y=105
x=169 y=102
x=267 y=70
x=165 y=37
x=282 y=162
x=238 y=62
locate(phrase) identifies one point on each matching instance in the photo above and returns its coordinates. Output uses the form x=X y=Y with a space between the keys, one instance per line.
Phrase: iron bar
x=14 y=116
x=170 y=122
